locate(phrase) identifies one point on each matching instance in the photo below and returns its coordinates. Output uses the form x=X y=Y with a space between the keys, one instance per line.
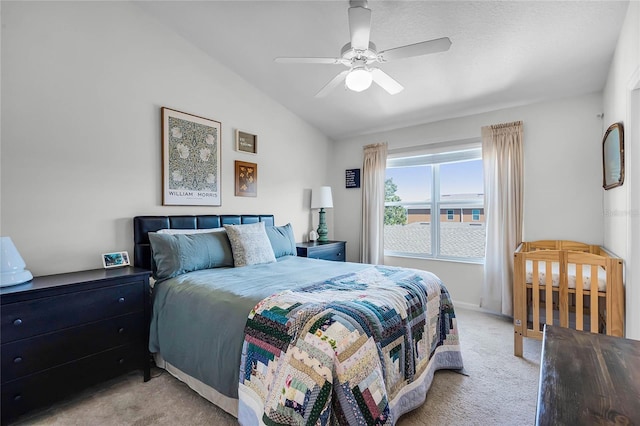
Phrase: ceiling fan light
x=359 y=79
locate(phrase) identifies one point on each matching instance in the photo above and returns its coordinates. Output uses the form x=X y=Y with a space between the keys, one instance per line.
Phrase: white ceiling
x=503 y=53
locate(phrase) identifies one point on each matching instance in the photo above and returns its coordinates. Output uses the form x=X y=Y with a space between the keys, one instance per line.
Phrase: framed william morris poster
x=190 y=160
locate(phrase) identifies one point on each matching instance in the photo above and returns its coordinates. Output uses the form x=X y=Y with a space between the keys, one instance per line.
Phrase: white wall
x=563 y=183
x=83 y=84
x=621 y=204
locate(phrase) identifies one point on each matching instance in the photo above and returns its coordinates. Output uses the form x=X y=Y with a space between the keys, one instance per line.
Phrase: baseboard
x=469 y=306
x=477 y=308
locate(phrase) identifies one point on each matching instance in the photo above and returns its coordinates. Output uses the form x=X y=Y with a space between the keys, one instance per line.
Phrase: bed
x=569 y=284
x=290 y=340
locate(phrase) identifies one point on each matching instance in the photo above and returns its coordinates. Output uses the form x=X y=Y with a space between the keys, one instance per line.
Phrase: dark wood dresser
x=62 y=333
x=588 y=379
x=329 y=250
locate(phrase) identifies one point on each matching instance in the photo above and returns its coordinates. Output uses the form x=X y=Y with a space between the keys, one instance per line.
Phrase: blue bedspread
x=199 y=318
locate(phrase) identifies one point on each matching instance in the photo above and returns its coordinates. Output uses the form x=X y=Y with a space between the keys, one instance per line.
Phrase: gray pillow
x=282 y=240
x=176 y=254
x=250 y=244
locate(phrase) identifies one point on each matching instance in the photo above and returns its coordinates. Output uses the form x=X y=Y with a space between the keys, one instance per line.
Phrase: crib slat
x=615 y=298
x=594 y=308
x=579 y=299
x=549 y=293
x=563 y=291
x=609 y=292
x=535 y=282
x=519 y=302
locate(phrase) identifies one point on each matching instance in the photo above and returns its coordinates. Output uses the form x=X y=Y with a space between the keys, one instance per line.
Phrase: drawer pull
x=121 y=330
x=121 y=361
x=17 y=397
x=17 y=360
x=121 y=300
x=17 y=322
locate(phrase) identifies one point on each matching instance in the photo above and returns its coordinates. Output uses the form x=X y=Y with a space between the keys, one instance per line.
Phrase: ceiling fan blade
x=332 y=84
x=383 y=80
x=360 y=27
x=329 y=61
x=417 y=49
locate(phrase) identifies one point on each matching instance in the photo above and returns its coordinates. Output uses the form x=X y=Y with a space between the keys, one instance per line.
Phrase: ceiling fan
x=360 y=55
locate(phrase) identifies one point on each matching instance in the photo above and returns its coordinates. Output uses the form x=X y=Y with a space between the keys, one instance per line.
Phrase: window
x=434 y=205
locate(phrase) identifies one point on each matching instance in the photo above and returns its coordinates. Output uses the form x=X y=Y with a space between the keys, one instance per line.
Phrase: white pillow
x=189 y=231
x=250 y=244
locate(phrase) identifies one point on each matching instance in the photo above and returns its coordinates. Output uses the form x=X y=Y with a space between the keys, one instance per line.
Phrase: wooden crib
x=547 y=290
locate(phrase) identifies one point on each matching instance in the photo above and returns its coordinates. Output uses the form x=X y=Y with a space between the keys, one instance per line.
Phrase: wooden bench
x=588 y=378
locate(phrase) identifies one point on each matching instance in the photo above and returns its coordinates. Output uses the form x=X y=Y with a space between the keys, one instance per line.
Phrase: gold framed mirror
x=613 y=156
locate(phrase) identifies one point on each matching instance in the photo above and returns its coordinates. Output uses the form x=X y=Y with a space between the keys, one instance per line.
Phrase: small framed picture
x=246 y=142
x=115 y=260
x=246 y=179
x=352 y=178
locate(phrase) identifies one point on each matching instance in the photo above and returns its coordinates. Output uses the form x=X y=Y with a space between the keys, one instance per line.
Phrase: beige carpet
x=500 y=389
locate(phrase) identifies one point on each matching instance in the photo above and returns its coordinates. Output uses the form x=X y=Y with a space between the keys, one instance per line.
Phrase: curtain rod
x=503 y=125
x=375 y=145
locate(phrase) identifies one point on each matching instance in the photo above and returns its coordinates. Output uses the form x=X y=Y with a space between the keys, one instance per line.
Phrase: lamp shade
x=11 y=264
x=321 y=198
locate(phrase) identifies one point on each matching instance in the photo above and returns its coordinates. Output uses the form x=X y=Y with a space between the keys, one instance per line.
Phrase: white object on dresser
x=13 y=265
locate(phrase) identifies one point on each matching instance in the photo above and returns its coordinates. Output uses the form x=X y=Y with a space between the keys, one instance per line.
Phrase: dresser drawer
x=27 y=356
x=22 y=395
x=29 y=318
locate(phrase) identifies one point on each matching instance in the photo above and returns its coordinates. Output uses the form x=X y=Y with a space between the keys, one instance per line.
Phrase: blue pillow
x=282 y=240
x=176 y=254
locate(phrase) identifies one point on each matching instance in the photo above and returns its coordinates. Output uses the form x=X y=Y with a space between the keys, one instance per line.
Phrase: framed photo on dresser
x=115 y=260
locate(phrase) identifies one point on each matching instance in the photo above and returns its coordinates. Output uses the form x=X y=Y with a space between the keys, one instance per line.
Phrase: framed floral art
x=191 y=159
x=246 y=179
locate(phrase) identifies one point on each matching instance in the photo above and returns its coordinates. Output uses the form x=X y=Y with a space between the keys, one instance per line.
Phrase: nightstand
x=62 y=333
x=330 y=250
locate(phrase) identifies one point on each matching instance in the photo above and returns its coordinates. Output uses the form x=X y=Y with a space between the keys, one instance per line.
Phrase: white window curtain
x=373 y=174
x=503 y=164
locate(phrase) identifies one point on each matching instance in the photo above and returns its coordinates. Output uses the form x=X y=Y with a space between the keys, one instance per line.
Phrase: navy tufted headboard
x=142 y=225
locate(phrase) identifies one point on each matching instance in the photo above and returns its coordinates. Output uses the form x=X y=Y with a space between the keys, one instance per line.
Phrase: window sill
x=435 y=259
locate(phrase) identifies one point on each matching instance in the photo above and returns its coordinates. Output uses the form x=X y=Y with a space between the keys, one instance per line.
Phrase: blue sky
x=414 y=183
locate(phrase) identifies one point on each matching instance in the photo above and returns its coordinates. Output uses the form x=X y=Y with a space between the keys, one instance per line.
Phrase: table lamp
x=321 y=199
x=12 y=266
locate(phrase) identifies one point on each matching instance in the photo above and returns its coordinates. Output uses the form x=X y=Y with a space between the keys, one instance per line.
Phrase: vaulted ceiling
x=503 y=53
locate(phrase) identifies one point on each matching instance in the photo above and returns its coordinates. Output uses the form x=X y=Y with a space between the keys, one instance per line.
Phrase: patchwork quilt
x=348 y=350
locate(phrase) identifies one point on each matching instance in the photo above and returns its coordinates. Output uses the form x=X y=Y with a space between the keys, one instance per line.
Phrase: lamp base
x=322 y=238
x=15 y=278
x=322 y=228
